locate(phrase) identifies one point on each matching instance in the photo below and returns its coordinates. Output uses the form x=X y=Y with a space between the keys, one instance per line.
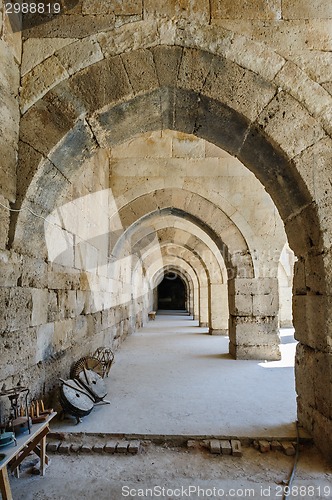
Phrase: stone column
x=190 y=299
x=204 y=306
x=219 y=309
x=253 y=321
x=312 y=311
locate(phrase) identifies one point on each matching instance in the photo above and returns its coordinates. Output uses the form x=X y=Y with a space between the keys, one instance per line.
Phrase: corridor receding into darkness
x=171 y=293
x=172 y=378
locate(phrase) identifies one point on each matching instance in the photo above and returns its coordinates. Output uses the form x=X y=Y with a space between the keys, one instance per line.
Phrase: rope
x=29 y=210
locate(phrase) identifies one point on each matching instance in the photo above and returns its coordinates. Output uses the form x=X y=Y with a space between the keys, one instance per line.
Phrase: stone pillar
x=219 y=309
x=204 y=306
x=155 y=299
x=253 y=321
x=196 y=302
x=312 y=311
x=190 y=300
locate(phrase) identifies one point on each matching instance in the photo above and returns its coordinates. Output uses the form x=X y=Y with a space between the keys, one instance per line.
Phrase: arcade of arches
x=189 y=141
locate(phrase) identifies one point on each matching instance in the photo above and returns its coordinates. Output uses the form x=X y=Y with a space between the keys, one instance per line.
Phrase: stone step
x=75 y=443
x=113 y=446
x=264 y=446
x=226 y=447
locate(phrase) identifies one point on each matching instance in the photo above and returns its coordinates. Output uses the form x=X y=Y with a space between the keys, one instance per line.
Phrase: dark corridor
x=172 y=293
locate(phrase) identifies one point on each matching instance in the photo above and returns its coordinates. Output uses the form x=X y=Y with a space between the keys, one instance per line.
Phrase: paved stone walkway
x=172 y=378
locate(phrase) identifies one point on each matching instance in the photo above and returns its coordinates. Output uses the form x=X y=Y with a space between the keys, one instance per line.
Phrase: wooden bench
x=152 y=315
x=13 y=455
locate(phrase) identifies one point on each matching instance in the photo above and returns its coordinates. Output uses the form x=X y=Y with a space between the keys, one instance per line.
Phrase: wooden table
x=36 y=442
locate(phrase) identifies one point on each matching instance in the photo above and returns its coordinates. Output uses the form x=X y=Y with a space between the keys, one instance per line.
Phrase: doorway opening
x=172 y=293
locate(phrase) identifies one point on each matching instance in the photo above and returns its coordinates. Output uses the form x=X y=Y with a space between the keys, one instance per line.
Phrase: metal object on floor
x=86 y=387
x=75 y=399
x=94 y=384
x=89 y=363
x=106 y=357
x=78 y=396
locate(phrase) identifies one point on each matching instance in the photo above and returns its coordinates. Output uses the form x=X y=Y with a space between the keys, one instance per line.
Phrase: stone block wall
x=60 y=306
x=299 y=31
x=49 y=322
x=10 y=60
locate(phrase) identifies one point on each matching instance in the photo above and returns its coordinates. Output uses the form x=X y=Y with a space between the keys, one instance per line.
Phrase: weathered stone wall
x=58 y=327
x=298 y=31
x=10 y=60
x=60 y=307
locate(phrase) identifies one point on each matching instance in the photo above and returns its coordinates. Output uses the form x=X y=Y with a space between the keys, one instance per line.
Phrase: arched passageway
x=66 y=128
x=172 y=293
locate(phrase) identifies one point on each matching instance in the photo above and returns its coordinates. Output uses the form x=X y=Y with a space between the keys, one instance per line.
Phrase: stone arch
x=179 y=86
x=197 y=268
x=217 y=288
x=205 y=107
x=161 y=31
x=186 y=279
x=186 y=89
x=201 y=212
x=189 y=232
x=186 y=270
x=192 y=243
x=251 y=313
x=157 y=231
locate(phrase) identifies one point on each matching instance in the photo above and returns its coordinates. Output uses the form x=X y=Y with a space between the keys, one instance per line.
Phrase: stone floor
x=173 y=473
x=172 y=378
